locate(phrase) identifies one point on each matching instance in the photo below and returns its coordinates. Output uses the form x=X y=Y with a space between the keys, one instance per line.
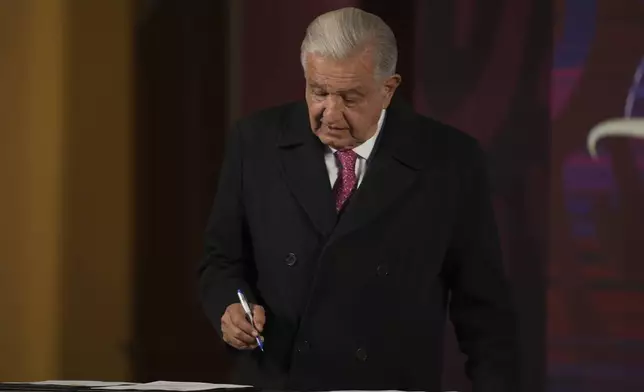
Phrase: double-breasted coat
x=358 y=300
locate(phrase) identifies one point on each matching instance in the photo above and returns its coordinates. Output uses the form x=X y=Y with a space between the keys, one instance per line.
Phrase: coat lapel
x=302 y=159
x=397 y=161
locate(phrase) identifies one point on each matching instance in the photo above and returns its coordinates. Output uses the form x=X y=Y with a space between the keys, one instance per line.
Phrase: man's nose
x=333 y=108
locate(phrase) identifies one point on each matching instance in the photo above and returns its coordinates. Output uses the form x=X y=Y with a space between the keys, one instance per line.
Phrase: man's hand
x=237 y=330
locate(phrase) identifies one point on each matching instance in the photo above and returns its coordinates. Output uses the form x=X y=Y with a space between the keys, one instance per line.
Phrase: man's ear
x=391 y=84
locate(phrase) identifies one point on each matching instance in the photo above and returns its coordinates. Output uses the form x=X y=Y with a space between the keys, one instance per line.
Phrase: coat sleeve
x=227 y=262
x=480 y=303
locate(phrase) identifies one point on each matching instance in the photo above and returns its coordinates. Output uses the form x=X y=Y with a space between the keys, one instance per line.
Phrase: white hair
x=345 y=32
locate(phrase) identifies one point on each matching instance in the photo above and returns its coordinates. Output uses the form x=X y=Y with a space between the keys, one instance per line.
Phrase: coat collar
x=401 y=152
x=302 y=159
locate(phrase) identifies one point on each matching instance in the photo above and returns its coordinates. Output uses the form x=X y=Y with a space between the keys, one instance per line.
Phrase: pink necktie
x=347 y=180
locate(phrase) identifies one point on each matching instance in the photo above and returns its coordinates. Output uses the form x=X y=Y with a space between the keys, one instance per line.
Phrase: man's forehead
x=336 y=86
x=348 y=75
x=339 y=81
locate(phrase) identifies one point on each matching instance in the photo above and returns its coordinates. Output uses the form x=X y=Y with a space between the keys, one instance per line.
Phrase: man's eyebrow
x=350 y=91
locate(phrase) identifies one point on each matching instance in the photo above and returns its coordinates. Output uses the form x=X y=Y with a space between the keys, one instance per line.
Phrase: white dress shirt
x=363 y=151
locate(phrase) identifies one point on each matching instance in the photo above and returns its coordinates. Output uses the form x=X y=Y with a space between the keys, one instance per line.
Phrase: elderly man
x=353 y=224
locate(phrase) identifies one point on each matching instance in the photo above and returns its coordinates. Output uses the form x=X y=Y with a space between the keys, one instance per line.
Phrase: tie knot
x=347 y=159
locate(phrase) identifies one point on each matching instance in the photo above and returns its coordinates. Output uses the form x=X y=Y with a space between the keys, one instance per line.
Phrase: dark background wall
x=181 y=116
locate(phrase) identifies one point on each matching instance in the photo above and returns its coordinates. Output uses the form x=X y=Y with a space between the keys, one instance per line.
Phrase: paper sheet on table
x=173 y=386
x=78 y=383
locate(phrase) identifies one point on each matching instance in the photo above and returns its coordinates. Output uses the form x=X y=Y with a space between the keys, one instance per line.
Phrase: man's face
x=345 y=99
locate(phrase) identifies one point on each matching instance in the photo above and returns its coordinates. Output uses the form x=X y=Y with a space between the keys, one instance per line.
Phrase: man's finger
x=226 y=324
x=230 y=330
x=236 y=343
x=259 y=316
x=239 y=320
x=241 y=335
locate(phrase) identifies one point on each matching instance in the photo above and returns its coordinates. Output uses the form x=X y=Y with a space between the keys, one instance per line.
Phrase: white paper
x=173 y=386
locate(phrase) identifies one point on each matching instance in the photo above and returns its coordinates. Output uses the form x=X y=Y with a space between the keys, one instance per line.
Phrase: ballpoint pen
x=249 y=314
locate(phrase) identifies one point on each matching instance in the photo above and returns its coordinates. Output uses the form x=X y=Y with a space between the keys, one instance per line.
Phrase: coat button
x=361 y=354
x=303 y=347
x=382 y=270
x=290 y=259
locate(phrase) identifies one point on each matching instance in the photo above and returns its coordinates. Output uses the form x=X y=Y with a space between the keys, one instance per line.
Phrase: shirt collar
x=364 y=150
